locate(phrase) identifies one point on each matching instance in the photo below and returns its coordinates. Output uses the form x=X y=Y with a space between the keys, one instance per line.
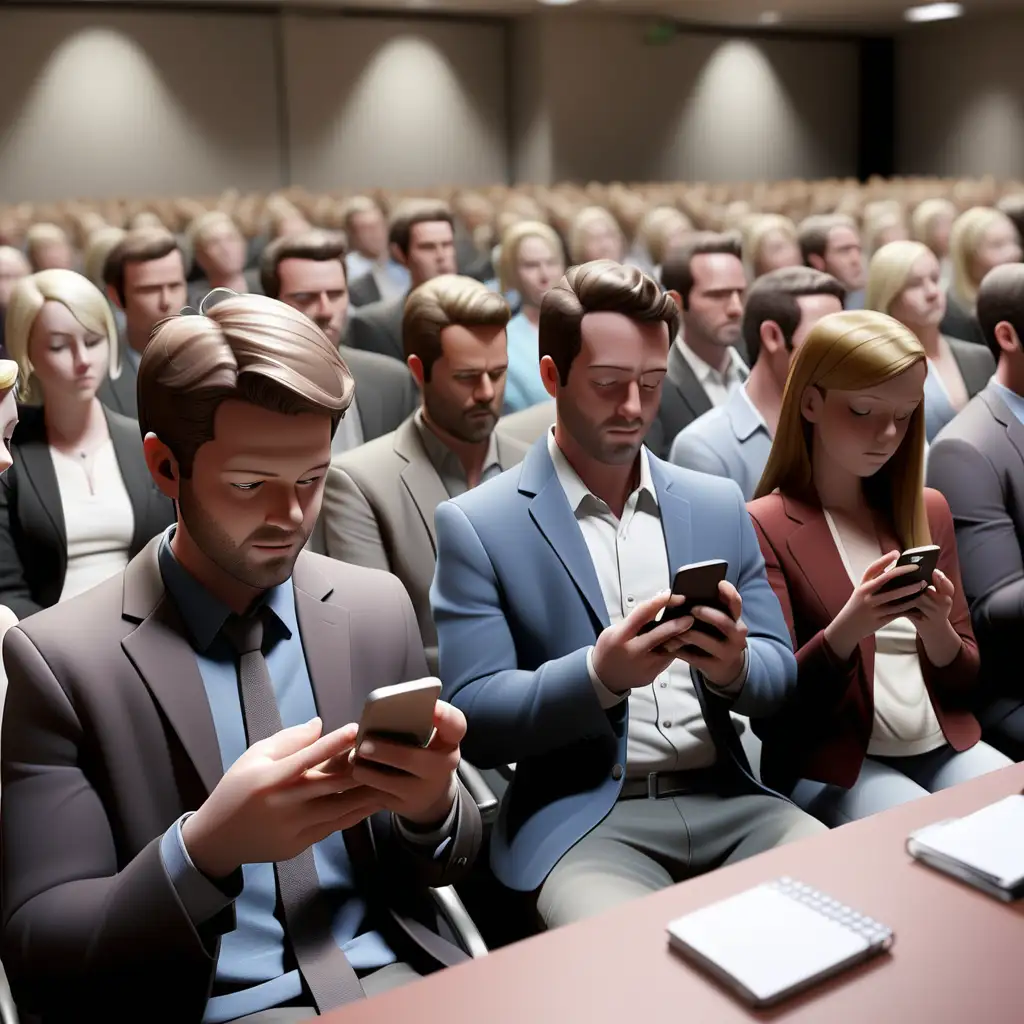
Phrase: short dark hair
x=677 y=271
x=414 y=212
x=598 y=286
x=1013 y=206
x=813 y=233
x=1001 y=298
x=138 y=246
x=774 y=297
x=320 y=246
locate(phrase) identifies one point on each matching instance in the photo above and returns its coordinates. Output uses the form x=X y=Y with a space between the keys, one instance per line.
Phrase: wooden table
x=958 y=957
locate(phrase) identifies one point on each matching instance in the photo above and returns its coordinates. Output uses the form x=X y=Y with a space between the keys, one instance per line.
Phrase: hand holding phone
x=923 y=560
x=403 y=713
x=697 y=585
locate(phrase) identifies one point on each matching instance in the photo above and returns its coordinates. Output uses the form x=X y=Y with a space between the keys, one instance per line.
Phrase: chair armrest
x=8 y=1011
x=482 y=794
x=450 y=907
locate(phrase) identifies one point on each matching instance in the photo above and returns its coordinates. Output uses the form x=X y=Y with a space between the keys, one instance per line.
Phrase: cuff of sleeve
x=202 y=898
x=437 y=837
x=607 y=698
x=731 y=690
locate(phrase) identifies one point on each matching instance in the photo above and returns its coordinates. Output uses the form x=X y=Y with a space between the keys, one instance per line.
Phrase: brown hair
x=677 y=272
x=813 y=232
x=598 y=286
x=1001 y=299
x=773 y=297
x=441 y=302
x=138 y=246
x=310 y=245
x=250 y=348
x=411 y=213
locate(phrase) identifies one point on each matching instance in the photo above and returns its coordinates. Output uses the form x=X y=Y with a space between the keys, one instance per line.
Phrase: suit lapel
x=35 y=464
x=419 y=476
x=686 y=383
x=1001 y=413
x=167 y=664
x=675 y=519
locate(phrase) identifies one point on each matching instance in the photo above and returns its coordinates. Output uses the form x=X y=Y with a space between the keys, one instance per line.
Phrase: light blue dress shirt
x=394 y=274
x=1014 y=402
x=523 y=386
x=254 y=968
x=938 y=409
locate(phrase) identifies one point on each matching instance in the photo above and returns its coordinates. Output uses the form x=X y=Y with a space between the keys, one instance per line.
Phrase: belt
x=660 y=784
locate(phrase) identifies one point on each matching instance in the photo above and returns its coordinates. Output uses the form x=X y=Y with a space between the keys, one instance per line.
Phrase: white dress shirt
x=717 y=384
x=667 y=731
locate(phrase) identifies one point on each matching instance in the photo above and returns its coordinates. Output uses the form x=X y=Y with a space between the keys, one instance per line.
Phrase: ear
x=816 y=261
x=416 y=369
x=811 y=404
x=397 y=255
x=114 y=297
x=772 y=340
x=549 y=376
x=163 y=466
x=1007 y=337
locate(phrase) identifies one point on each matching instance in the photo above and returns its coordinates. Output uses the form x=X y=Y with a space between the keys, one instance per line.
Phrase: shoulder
x=31 y=425
x=373 y=364
x=937 y=510
x=707 y=424
x=975 y=424
x=350 y=585
x=767 y=511
x=368 y=458
x=698 y=488
x=496 y=499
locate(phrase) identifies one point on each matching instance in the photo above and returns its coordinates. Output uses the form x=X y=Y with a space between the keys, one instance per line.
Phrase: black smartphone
x=698 y=583
x=925 y=559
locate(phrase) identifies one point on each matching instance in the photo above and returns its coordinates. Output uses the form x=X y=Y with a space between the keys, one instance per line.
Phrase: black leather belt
x=660 y=784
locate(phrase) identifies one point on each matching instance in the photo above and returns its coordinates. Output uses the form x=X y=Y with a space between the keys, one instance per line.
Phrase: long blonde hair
x=964 y=240
x=851 y=351
x=888 y=272
x=513 y=238
x=924 y=218
x=83 y=300
x=755 y=234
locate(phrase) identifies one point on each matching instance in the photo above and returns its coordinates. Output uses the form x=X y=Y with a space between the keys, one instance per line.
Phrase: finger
x=313 y=786
x=880 y=599
x=449 y=725
x=286 y=742
x=885 y=579
x=396 y=786
x=897 y=609
x=644 y=612
x=333 y=805
x=943 y=584
x=726 y=624
x=423 y=763
x=342 y=819
x=331 y=745
x=662 y=634
x=731 y=598
x=703 y=645
x=879 y=565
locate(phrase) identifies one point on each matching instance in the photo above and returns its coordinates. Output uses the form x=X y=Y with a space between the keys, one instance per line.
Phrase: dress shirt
x=1014 y=402
x=523 y=386
x=667 y=731
x=349 y=434
x=447 y=463
x=390 y=277
x=718 y=384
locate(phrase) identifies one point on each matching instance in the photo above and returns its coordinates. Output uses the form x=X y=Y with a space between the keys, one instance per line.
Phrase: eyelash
x=249 y=488
x=899 y=419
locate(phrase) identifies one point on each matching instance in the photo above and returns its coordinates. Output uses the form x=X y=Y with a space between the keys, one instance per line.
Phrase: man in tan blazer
x=380 y=498
x=176 y=742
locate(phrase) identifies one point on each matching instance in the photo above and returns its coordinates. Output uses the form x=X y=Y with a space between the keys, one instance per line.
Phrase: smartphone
x=925 y=558
x=699 y=585
x=403 y=713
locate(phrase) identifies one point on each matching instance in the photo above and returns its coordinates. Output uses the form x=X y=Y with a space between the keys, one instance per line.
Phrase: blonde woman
x=982 y=238
x=531 y=262
x=931 y=223
x=770 y=243
x=904 y=280
x=884 y=678
x=662 y=229
x=80 y=501
x=594 y=234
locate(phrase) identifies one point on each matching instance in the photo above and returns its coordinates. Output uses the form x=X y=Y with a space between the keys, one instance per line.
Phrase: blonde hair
x=964 y=240
x=83 y=300
x=851 y=351
x=922 y=221
x=888 y=272
x=582 y=222
x=205 y=224
x=757 y=230
x=657 y=228
x=99 y=246
x=511 y=242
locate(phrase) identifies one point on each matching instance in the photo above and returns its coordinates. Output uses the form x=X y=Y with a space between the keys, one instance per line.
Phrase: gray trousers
x=645 y=845
x=374 y=984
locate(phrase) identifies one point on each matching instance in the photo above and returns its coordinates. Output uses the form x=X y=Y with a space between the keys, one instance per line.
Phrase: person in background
x=770 y=243
x=373 y=273
x=79 y=503
x=931 y=224
x=48 y=247
x=219 y=250
x=831 y=243
x=8 y=421
x=13 y=267
x=594 y=234
x=904 y=280
x=885 y=676
x=531 y=262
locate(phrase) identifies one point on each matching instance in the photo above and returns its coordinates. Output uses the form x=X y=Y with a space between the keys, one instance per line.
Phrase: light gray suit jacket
x=385 y=390
x=363 y=290
x=731 y=441
x=378 y=327
x=528 y=424
x=378 y=511
x=683 y=399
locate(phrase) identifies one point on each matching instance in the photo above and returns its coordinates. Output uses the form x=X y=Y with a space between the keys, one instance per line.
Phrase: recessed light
x=769 y=18
x=557 y=3
x=933 y=12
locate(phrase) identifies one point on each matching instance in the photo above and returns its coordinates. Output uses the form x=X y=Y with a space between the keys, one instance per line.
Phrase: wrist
x=201 y=851
x=838 y=641
x=434 y=816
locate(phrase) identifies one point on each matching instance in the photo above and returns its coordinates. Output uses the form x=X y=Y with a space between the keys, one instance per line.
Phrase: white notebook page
x=767 y=940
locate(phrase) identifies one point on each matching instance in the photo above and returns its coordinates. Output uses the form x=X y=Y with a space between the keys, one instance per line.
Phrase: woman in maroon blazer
x=885 y=678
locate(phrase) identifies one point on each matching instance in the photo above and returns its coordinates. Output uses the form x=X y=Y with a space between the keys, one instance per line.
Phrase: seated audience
x=145 y=277
x=422 y=237
x=220 y=253
x=80 y=503
x=770 y=243
x=662 y=229
x=48 y=248
x=379 y=499
x=706 y=278
x=8 y=421
x=227 y=857
x=977 y=462
x=594 y=234
x=733 y=440
x=373 y=273
x=981 y=238
x=884 y=676
x=545 y=577
x=831 y=243
x=13 y=267
x=531 y=262
x=904 y=280
x=931 y=224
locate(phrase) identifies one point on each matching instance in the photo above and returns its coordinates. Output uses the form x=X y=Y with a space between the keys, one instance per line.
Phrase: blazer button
x=617 y=772
x=461 y=862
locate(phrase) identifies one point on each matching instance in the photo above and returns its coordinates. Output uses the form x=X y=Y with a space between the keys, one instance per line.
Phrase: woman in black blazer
x=79 y=501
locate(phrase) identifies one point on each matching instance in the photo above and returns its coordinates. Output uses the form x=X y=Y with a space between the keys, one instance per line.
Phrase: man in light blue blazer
x=630 y=775
x=734 y=439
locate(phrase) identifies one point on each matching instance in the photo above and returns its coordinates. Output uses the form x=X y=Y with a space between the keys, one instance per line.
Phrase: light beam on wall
x=933 y=12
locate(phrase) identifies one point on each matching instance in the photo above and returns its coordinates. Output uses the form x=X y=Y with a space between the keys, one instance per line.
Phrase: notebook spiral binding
x=878 y=935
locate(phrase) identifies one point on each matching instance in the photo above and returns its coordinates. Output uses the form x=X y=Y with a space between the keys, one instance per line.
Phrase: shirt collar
x=442 y=458
x=704 y=371
x=746 y=417
x=577 y=492
x=204 y=615
x=1013 y=401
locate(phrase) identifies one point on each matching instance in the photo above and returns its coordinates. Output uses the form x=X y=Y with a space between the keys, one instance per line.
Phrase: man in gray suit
x=977 y=462
x=706 y=278
x=830 y=242
x=734 y=439
x=379 y=500
x=145 y=278
x=422 y=239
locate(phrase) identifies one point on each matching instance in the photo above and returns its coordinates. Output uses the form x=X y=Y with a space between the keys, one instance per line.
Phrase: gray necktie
x=327 y=973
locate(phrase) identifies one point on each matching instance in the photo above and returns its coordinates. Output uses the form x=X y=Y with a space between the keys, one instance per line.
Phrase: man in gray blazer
x=734 y=439
x=977 y=462
x=379 y=500
x=188 y=725
x=422 y=238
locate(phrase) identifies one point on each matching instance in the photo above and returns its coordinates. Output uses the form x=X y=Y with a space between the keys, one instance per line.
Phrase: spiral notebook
x=774 y=940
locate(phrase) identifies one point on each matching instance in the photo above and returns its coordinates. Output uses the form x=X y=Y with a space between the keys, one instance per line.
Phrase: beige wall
x=961 y=99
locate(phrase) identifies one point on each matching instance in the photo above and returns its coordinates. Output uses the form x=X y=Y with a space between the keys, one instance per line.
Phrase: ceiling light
x=769 y=18
x=933 y=12
x=557 y=3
